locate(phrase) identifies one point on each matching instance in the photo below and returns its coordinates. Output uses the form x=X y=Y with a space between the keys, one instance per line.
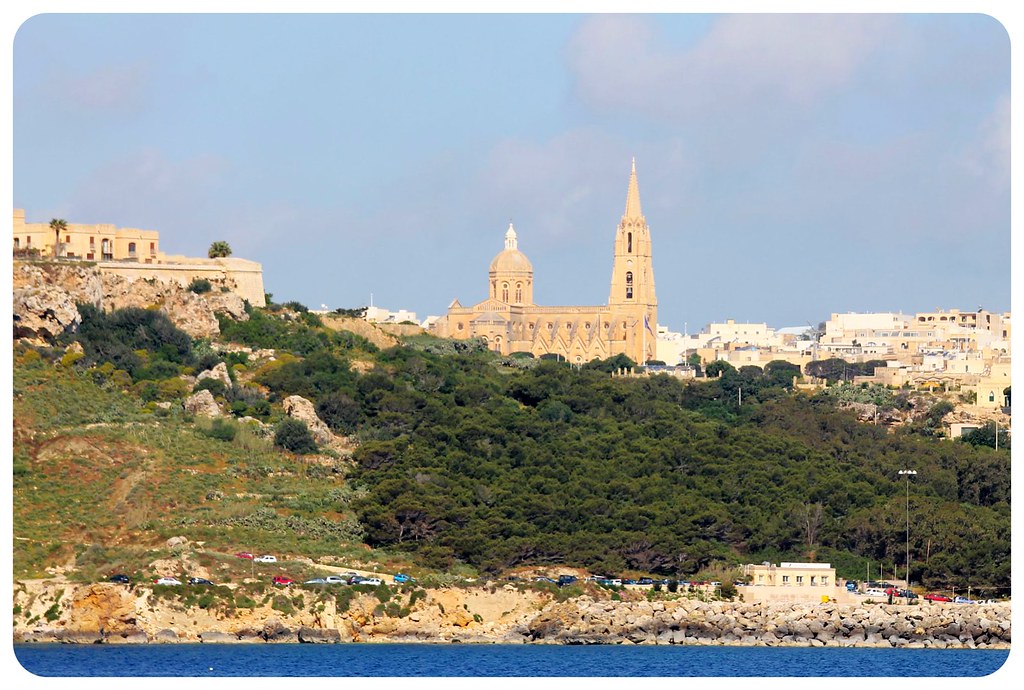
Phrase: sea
x=491 y=660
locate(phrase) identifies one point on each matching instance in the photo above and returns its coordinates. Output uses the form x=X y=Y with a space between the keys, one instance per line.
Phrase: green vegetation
x=219 y=248
x=200 y=286
x=468 y=461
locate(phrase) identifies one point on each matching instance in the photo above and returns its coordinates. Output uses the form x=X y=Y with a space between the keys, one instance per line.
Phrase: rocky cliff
x=110 y=613
x=46 y=295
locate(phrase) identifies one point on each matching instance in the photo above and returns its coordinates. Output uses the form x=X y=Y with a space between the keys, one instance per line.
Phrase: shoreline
x=113 y=614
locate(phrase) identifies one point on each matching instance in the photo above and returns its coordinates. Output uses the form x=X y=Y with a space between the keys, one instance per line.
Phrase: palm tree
x=58 y=225
x=219 y=248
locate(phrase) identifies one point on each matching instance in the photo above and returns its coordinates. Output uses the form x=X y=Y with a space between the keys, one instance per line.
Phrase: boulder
x=43 y=312
x=219 y=372
x=217 y=637
x=297 y=407
x=202 y=403
x=175 y=541
x=318 y=636
x=134 y=636
x=164 y=636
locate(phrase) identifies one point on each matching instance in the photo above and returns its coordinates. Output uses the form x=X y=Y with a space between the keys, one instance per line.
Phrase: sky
x=790 y=165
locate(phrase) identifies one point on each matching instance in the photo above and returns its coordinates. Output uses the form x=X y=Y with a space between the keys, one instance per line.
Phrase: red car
x=937 y=597
x=244 y=554
x=283 y=581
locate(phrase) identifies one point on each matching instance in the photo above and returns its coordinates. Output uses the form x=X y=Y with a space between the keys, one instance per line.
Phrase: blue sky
x=790 y=166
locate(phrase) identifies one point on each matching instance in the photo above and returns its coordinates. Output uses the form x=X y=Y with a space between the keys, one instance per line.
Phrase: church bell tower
x=632 y=295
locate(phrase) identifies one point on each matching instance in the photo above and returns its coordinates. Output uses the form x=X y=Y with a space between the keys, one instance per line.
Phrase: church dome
x=510 y=259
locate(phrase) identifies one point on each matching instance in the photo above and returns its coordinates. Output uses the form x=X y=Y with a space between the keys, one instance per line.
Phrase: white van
x=874 y=592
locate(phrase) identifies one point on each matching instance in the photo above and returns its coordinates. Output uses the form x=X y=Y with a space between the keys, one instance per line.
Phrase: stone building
x=135 y=254
x=509 y=320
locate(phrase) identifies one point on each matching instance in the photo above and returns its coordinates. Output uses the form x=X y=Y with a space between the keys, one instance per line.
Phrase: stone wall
x=244 y=278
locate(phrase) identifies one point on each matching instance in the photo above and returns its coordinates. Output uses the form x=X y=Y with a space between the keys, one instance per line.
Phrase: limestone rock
x=133 y=636
x=103 y=607
x=315 y=636
x=43 y=312
x=217 y=637
x=219 y=372
x=202 y=403
x=164 y=636
x=297 y=407
x=175 y=541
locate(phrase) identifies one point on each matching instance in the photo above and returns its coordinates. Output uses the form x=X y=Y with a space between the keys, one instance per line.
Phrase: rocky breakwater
x=109 y=613
x=586 y=621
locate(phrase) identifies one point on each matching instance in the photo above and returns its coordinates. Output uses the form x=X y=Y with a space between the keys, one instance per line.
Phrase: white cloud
x=987 y=155
x=620 y=62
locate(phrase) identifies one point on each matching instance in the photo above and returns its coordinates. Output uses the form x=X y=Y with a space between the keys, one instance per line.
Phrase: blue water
x=496 y=660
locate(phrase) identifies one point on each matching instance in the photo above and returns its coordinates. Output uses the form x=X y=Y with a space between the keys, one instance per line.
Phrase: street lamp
x=907 y=474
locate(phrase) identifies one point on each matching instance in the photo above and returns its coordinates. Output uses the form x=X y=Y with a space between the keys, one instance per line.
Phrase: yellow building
x=795 y=582
x=509 y=320
x=99 y=242
x=135 y=254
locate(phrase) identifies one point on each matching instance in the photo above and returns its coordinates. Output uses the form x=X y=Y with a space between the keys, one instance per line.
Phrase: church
x=509 y=320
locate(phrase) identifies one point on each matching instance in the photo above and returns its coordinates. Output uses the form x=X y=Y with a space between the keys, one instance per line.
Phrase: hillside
x=442 y=458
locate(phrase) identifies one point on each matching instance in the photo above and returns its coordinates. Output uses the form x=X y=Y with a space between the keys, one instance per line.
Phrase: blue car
x=402 y=578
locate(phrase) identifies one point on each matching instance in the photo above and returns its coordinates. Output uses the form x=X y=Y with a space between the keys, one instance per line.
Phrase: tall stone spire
x=633 y=196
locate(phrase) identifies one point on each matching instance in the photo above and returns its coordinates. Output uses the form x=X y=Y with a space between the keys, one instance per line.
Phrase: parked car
x=963 y=600
x=265 y=559
x=907 y=594
x=316 y=581
x=564 y=580
x=851 y=586
x=372 y=581
x=645 y=581
x=167 y=581
x=283 y=581
x=875 y=592
x=542 y=579
x=244 y=554
x=356 y=580
x=199 y=581
x=936 y=597
x=401 y=578
x=335 y=580
x=119 y=578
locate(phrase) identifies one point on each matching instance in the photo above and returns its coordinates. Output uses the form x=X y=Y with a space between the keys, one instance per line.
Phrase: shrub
x=222 y=430
x=215 y=386
x=200 y=286
x=339 y=411
x=293 y=434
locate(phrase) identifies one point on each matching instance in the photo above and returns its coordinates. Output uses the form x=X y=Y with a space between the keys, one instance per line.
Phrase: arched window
x=629 y=284
x=131 y=249
x=504 y=292
x=519 y=292
x=629 y=242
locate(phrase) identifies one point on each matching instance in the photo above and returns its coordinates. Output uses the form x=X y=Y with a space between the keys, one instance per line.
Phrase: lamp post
x=907 y=474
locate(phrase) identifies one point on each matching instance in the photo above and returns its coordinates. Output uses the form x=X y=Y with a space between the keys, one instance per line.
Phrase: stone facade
x=135 y=254
x=509 y=320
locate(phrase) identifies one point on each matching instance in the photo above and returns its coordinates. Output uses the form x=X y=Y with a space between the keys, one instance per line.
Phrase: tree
x=58 y=225
x=293 y=434
x=218 y=249
x=718 y=367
